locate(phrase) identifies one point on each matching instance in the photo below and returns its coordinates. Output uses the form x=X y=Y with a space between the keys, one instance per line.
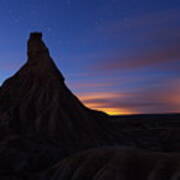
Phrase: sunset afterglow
x=99 y=101
x=121 y=57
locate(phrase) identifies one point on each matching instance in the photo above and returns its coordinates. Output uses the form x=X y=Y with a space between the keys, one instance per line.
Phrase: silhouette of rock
x=36 y=101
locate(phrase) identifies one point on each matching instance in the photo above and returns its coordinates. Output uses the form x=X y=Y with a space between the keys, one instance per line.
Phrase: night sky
x=119 y=56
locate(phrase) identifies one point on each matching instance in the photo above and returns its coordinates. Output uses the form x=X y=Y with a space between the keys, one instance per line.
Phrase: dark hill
x=36 y=101
x=117 y=163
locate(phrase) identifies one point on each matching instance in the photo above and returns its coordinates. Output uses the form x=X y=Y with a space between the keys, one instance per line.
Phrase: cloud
x=143 y=24
x=87 y=85
x=10 y=61
x=152 y=41
x=145 y=65
x=4 y=66
x=159 y=99
x=101 y=101
x=163 y=58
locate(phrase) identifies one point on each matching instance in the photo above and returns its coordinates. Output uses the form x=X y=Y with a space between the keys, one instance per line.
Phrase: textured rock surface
x=42 y=123
x=117 y=163
x=36 y=101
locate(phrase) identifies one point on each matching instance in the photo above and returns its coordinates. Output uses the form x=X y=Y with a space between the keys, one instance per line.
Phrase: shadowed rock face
x=36 y=101
x=36 y=48
x=117 y=163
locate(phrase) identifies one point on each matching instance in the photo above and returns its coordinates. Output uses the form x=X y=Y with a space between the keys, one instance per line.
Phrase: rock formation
x=42 y=123
x=117 y=163
x=36 y=101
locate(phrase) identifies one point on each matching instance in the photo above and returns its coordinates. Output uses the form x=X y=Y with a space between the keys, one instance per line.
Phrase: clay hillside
x=47 y=133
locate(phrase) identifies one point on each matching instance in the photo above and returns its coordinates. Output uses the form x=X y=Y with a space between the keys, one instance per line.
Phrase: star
x=69 y=3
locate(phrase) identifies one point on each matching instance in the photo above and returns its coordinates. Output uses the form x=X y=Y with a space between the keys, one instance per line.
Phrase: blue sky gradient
x=122 y=57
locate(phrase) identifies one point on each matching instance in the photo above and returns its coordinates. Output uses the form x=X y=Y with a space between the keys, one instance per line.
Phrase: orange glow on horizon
x=103 y=106
x=114 y=111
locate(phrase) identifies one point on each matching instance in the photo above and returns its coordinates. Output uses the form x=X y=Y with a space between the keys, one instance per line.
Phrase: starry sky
x=118 y=56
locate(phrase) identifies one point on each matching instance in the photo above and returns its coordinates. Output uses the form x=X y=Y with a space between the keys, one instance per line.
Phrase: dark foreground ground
x=150 y=146
x=159 y=132
x=145 y=117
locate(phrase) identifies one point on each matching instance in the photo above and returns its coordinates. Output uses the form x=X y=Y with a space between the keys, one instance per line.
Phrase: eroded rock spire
x=36 y=47
x=39 y=59
x=36 y=101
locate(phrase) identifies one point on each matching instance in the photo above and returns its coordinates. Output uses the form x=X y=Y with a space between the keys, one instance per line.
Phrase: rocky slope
x=36 y=101
x=117 y=163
